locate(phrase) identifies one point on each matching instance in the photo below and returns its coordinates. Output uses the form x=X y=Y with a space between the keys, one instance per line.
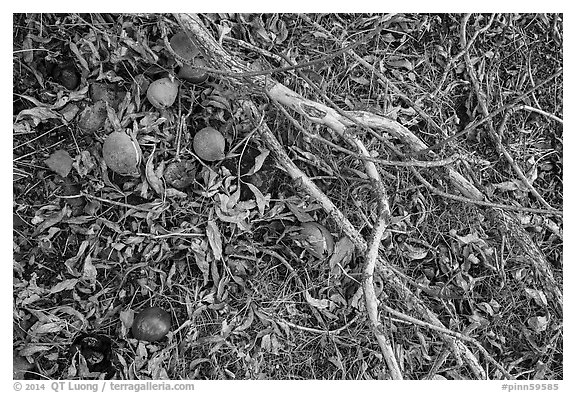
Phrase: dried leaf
x=507 y=186
x=69 y=112
x=27 y=50
x=538 y=324
x=89 y=273
x=64 y=285
x=414 y=252
x=52 y=219
x=247 y=322
x=151 y=176
x=258 y=161
x=301 y=214
x=400 y=63
x=342 y=253
x=472 y=238
x=38 y=115
x=84 y=163
x=33 y=348
x=538 y=296
x=319 y=304
x=49 y=327
x=60 y=162
x=261 y=200
x=199 y=248
x=270 y=344
x=81 y=59
x=360 y=80
x=127 y=318
x=214 y=238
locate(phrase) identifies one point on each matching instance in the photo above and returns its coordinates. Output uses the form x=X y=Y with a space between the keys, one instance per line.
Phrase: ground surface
x=223 y=254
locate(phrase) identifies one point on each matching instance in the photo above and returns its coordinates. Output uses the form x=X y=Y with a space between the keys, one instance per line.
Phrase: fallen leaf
x=414 y=252
x=538 y=296
x=538 y=324
x=27 y=50
x=64 y=285
x=38 y=115
x=360 y=80
x=342 y=253
x=319 y=304
x=200 y=248
x=258 y=161
x=400 y=63
x=151 y=176
x=214 y=238
x=261 y=200
x=89 y=271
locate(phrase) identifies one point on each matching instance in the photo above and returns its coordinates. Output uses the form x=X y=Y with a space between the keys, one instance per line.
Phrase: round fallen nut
x=151 y=324
x=190 y=73
x=183 y=46
x=162 y=93
x=122 y=154
x=209 y=144
x=67 y=76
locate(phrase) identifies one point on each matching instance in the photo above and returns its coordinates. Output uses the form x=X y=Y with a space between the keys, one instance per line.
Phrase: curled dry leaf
x=214 y=238
x=153 y=179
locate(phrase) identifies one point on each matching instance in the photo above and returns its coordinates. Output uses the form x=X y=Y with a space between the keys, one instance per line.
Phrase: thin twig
x=441 y=193
x=541 y=112
x=314 y=330
x=111 y=202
